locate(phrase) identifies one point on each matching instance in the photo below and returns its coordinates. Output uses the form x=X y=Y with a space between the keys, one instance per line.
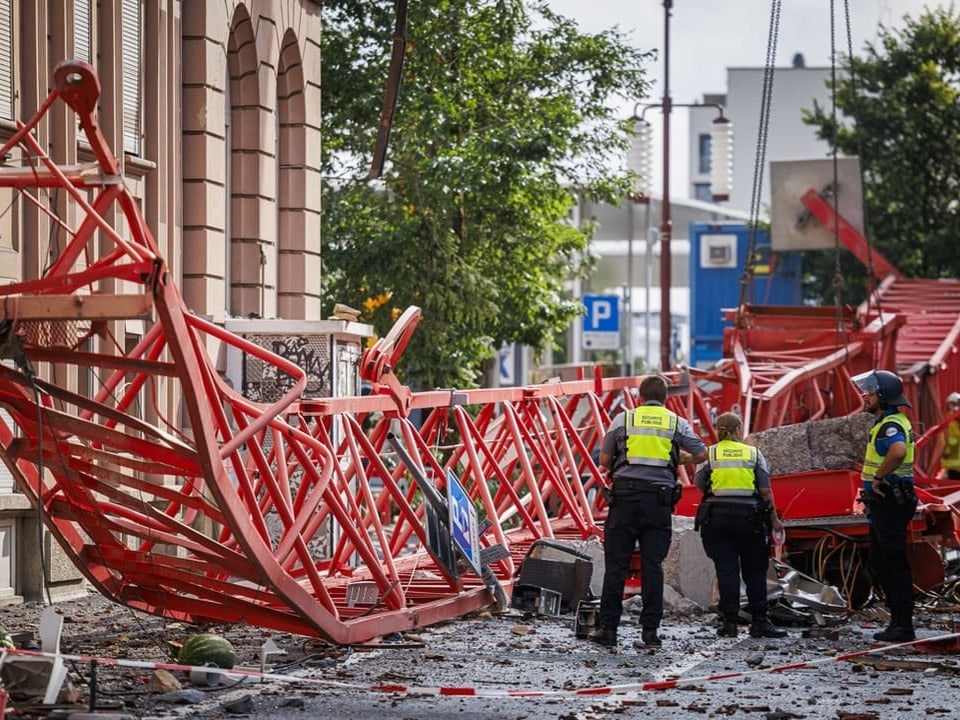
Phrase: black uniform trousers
x=888 y=550
x=739 y=546
x=634 y=517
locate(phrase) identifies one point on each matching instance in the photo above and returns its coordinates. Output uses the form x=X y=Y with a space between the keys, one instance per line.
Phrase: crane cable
x=835 y=186
x=842 y=329
x=746 y=279
x=874 y=288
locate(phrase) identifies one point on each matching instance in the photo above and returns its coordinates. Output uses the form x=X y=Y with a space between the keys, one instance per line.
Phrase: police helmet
x=887 y=386
x=953 y=398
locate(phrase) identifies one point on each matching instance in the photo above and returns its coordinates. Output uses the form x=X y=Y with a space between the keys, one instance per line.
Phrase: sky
x=708 y=36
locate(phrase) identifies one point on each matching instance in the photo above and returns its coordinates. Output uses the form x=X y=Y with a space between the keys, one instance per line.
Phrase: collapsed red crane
x=322 y=517
x=287 y=515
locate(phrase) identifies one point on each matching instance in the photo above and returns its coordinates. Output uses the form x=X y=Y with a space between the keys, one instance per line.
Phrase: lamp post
x=628 y=298
x=639 y=161
x=666 y=223
x=652 y=237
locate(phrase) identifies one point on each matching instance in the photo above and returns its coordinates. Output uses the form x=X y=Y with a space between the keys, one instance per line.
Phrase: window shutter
x=81 y=30
x=6 y=59
x=130 y=59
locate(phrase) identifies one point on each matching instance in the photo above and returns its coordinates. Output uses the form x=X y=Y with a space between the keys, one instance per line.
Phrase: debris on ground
x=511 y=651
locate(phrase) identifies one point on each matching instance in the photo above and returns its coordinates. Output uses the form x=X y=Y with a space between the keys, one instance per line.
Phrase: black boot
x=728 y=628
x=650 y=637
x=761 y=627
x=603 y=636
x=900 y=628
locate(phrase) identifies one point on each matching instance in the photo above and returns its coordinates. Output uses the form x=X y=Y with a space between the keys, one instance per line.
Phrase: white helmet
x=953 y=398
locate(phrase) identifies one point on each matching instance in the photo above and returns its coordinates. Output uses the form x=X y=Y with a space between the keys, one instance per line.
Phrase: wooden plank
x=78 y=307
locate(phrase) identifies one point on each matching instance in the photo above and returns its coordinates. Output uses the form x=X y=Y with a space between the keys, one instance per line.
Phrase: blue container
x=718 y=259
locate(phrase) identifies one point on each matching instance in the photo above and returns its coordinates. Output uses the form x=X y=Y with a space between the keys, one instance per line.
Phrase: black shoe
x=896 y=634
x=603 y=636
x=763 y=628
x=727 y=629
x=650 y=638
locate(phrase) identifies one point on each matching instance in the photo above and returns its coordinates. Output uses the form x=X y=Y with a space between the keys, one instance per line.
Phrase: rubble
x=483 y=652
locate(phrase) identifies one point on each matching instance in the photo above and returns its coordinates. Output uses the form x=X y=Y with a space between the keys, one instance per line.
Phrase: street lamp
x=639 y=160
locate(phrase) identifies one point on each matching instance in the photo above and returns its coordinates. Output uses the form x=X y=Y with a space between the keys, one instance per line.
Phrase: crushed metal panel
x=798 y=589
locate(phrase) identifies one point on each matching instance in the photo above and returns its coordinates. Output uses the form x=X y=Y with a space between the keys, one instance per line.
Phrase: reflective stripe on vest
x=650 y=433
x=732 y=469
x=873 y=459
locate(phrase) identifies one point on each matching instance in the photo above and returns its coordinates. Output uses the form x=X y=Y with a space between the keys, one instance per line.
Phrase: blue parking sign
x=603 y=313
x=601 y=323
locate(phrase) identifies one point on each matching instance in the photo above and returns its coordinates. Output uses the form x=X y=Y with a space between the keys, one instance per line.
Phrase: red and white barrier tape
x=144 y=665
x=625 y=689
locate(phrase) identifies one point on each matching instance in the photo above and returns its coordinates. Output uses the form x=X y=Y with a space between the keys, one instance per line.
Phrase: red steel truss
x=312 y=516
x=290 y=515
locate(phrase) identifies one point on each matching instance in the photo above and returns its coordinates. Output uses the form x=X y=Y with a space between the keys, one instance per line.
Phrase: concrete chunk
x=687 y=569
x=831 y=444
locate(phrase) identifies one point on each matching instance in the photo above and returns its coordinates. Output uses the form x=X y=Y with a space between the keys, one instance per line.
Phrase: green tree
x=504 y=113
x=898 y=108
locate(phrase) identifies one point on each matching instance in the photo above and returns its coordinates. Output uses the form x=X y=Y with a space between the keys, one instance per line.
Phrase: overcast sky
x=708 y=36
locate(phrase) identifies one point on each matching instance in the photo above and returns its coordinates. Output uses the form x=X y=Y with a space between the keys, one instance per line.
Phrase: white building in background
x=627 y=248
x=626 y=244
x=788 y=138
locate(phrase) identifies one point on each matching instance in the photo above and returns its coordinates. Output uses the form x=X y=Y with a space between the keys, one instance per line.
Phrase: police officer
x=735 y=520
x=641 y=451
x=889 y=497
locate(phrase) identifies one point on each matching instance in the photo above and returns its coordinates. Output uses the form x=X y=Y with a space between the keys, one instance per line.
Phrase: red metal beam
x=856 y=243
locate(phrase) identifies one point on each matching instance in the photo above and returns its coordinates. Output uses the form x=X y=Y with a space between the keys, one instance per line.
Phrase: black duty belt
x=731 y=509
x=640 y=486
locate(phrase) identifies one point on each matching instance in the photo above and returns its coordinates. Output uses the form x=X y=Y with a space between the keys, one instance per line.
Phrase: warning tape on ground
x=466 y=691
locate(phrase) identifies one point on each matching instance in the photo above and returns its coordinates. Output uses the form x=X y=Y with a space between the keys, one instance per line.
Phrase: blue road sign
x=508 y=361
x=464 y=526
x=601 y=323
x=603 y=313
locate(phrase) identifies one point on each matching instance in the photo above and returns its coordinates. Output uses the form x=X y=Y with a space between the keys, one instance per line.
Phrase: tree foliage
x=505 y=110
x=900 y=107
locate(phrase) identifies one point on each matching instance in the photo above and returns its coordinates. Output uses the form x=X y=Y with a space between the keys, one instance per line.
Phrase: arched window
x=298 y=190
x=290 y=181
x=244 y=254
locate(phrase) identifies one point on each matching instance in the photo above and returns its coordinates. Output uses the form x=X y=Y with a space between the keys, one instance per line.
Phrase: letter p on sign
x=602 y=313
x=601 y=322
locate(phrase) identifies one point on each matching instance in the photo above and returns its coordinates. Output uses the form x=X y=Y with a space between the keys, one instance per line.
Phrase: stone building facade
x=213 y=108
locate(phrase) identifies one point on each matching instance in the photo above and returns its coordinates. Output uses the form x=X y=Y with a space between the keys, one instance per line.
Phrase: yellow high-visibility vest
x=650 y=433
x=732 y=466
x=873 y=459
x=951 y=458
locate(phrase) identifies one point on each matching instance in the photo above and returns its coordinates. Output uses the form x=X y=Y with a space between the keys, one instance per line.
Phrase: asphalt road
x=494 y=655
x=541 y=655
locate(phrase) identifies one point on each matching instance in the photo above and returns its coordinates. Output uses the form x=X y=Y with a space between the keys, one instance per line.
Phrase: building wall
x=251 y=134
x=700 y=123
x=794 y=89
x=217 y=135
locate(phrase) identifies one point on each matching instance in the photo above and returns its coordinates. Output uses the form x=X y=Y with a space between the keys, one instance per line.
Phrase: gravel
x=494 y=654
